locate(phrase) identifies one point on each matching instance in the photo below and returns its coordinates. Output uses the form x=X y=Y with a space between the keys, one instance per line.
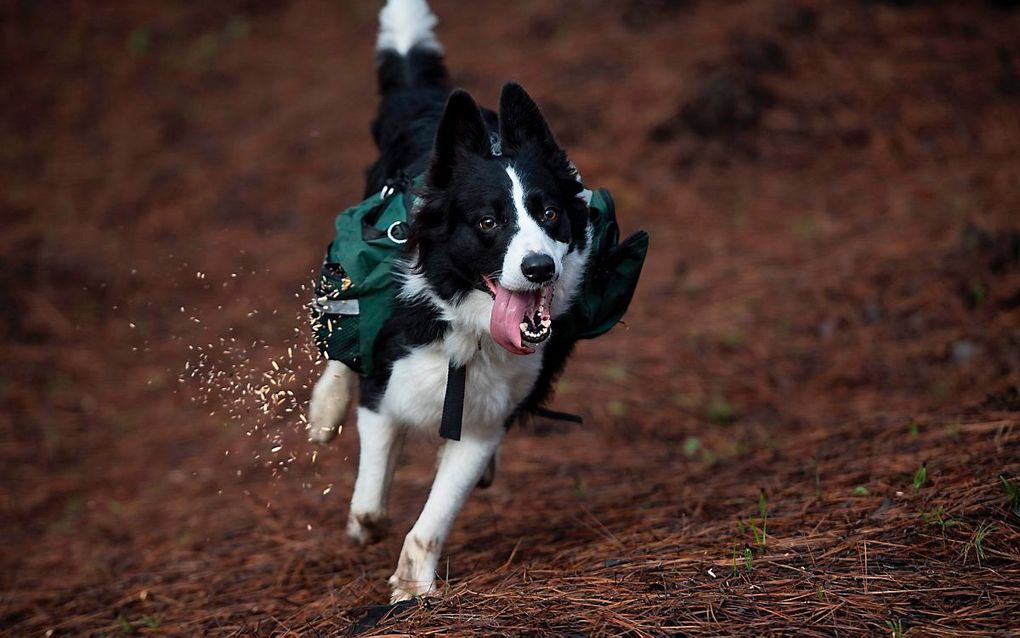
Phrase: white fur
x=461 y=464
x=330 y=398
x=496 y=379
x=574 y=266
x=404 y=24
x=470 y=315
x=381 y=440
x=497 y=382
x=529 y=238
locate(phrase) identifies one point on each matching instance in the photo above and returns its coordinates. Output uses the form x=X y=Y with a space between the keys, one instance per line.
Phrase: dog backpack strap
x=556 y=415
x=453 y=404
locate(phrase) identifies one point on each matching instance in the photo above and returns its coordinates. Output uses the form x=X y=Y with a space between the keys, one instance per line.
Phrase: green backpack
x=355 y=290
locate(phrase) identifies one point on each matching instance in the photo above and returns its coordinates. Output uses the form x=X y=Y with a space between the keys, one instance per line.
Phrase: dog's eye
x=550 y=214
x=487 y=223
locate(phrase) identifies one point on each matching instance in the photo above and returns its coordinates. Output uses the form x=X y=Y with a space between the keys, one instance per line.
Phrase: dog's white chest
x=497 y=382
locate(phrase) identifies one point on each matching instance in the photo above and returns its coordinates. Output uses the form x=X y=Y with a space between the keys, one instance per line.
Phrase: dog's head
x=512 y=223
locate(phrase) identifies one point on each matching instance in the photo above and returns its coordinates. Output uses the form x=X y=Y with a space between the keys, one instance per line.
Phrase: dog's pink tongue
x=508 y=310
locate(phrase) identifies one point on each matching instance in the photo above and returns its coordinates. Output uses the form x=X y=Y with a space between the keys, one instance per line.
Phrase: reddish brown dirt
x=831 y=303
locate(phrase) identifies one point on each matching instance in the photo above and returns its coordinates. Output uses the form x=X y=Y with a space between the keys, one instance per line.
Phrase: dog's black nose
x=538 y=268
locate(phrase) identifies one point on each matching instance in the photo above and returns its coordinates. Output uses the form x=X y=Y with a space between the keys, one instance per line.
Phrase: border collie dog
x=497 y=248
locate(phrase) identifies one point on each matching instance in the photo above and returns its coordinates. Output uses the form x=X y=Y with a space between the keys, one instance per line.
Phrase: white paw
x=406 y=590
x=366 y=528
x=415 y=574
x=320 y=432
x=328 y=405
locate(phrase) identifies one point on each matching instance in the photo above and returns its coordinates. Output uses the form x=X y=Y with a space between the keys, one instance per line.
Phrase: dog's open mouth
x=520 y=317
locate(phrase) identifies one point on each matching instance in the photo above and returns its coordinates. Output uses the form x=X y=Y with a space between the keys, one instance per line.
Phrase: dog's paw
x=415 y=573
x=330 y=397
x=321 y=432
x=366 y=528
x=400 y=595
x=404 y=590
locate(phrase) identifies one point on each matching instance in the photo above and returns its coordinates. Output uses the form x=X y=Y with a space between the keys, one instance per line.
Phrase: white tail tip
x=405 y=24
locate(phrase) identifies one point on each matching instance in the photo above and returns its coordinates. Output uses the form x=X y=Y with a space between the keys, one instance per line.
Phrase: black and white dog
x=497 y=249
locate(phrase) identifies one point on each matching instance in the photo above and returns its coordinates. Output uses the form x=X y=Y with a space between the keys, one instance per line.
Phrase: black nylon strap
x=453 y=404
x=558 y=416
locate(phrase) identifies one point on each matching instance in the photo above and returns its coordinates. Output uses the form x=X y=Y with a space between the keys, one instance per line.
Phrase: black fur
x=466 y=182
x=412 y=91
x=425 y=127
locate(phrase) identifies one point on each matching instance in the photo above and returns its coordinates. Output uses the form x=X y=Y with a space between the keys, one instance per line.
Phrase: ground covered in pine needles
x=808 y=424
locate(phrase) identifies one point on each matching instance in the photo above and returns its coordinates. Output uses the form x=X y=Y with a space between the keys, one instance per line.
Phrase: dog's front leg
x=381 y=440
x=461 y=464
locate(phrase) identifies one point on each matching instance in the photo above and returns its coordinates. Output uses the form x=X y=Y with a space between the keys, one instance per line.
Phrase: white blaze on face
x=530 y=238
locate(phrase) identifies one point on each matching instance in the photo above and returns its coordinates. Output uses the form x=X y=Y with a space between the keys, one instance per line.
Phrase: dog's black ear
x=461 y=130
x=520 y=121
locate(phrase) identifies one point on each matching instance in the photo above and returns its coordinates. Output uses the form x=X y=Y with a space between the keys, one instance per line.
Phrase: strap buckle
x=391 y=232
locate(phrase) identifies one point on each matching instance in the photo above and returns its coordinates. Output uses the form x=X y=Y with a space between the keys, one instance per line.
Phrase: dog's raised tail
x=407 y=50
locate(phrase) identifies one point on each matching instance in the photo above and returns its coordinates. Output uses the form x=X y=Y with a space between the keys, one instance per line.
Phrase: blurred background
x=831 y=302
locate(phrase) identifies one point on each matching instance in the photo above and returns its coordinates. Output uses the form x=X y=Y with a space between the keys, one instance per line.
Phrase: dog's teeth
x=524 y=327
x=546 y=323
